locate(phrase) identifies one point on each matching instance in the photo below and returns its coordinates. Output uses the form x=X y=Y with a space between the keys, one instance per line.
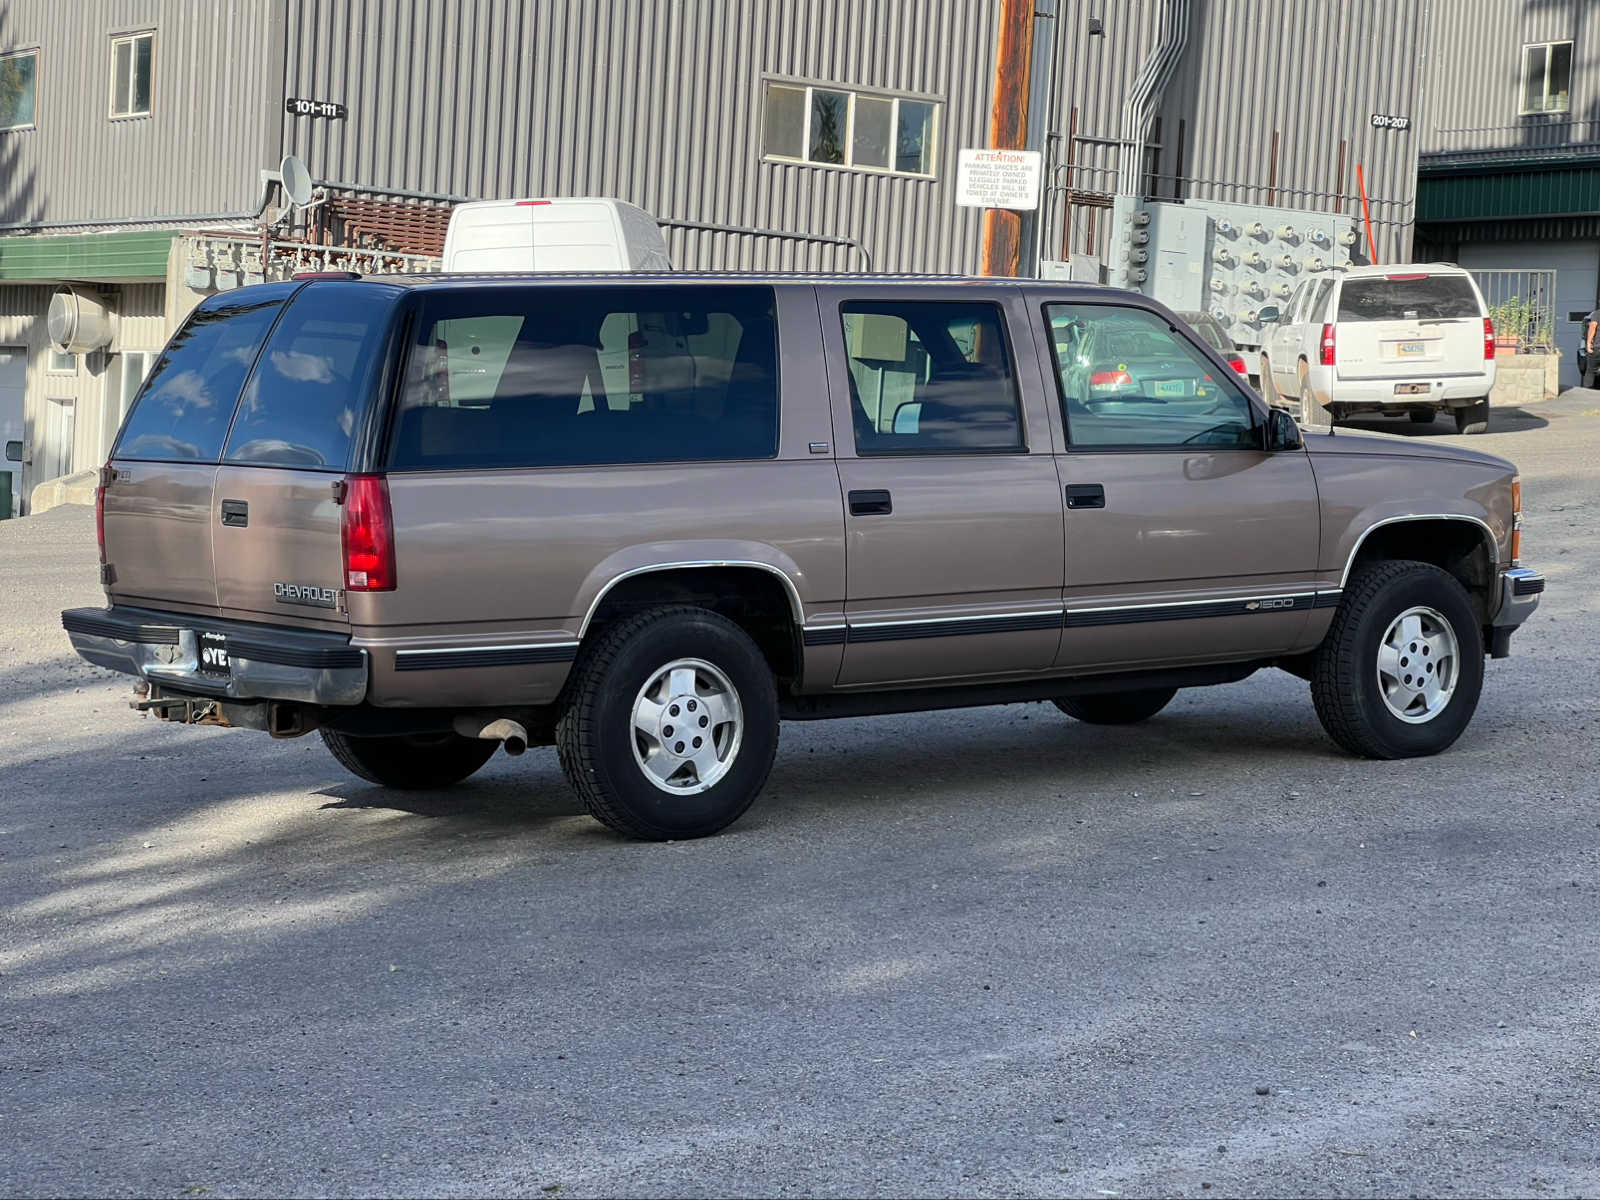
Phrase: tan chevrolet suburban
x=645 y=518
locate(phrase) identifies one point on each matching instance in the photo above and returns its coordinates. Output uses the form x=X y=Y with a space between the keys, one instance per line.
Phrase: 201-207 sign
x=315 y=108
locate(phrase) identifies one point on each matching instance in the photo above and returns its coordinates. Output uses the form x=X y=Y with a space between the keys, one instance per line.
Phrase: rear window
x=182 y=412
x=315 y=379
x=1422 y=297
x=553 y=376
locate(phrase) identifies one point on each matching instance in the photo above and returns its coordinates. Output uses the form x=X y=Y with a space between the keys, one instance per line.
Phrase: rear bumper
x=1443 y=391
x=268 y=662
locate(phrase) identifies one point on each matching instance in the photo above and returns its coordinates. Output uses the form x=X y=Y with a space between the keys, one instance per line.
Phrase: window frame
x=1023 y=447
x=52 y=368
x=1522 y=79
x=38 y=66
x=131 y=38
x=1226 y=374
x=808 y=86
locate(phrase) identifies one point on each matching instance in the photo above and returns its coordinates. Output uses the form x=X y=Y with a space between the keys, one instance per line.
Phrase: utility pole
x=1008 y=128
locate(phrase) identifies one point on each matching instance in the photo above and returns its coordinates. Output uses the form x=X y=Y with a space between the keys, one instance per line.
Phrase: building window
x=132 y=59
x=61 y=363
x=19 y=81
x=838 y=127
x=1547 y=78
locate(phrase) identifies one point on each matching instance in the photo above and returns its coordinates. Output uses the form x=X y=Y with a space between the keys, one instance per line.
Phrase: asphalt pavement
x=990 y=952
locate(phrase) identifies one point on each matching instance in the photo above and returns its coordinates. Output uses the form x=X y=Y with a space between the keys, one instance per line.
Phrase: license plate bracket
x=1411 y=389
x=1169 y=387
x=211 y=656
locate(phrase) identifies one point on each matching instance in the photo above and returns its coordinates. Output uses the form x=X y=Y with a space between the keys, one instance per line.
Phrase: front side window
x=838 y=127
x=930 y=377
x=1129 y=379
x=541 y=377
x=1547 y=78
x=132 y=61
x=182 y=412
x=315 y=379
x=19 y=84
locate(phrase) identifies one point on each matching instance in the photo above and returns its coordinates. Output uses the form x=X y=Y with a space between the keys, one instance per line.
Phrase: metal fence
x=1522 y=306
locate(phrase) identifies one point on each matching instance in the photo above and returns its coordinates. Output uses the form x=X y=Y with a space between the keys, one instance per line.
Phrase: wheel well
x=1459 y=547
x=755 y=600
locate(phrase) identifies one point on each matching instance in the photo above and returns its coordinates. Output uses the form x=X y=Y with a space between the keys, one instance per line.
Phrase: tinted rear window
x=1421 y=298
x=315 y=379
x=553 y=376
x=182 y=412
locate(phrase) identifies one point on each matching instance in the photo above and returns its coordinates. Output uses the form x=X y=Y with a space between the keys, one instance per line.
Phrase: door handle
x=871 y=503
x=235 y=513
x=1086 y=495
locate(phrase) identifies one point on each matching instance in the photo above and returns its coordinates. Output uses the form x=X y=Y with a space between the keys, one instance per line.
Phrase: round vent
x=78 y=320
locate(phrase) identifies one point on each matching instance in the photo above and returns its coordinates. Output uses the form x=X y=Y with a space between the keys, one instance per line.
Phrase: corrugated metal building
x=125 y=124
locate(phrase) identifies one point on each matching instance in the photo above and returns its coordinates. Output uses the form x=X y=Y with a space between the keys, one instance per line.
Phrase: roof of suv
x=1383 y=271
x=681 y=277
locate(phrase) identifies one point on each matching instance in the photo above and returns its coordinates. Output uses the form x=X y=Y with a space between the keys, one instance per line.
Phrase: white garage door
x=13 y=373
x=1577 y=268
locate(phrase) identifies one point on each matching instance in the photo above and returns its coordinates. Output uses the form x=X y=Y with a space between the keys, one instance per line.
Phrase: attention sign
x=999 y=178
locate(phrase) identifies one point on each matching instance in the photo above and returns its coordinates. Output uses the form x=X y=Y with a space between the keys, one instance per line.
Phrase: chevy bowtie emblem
x=1252 y=606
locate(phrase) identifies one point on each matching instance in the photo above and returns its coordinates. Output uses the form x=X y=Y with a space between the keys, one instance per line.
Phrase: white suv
x=1403 y=341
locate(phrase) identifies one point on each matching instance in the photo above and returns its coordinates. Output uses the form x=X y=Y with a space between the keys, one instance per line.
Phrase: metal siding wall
x=22 y=323
x=1474 y=76
x=141 y=317
x=213 y=111
x=657 y=103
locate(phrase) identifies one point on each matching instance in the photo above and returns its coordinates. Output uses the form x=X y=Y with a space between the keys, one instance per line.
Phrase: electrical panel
x=1231 y=260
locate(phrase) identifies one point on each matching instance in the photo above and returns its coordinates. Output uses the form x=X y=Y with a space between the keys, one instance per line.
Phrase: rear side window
x=182 y=412
x=1418 y=297
x=315 y=379
x=552 y=376
x=930 y=377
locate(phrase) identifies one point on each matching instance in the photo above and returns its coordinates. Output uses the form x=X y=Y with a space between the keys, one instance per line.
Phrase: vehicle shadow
x=1501 y=420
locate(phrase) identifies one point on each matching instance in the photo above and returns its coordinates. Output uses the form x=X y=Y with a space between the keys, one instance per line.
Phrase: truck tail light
x=368 y=535
x=1327 y=345
x=1516 y=521
x=1488 y=339
x=1237 y=363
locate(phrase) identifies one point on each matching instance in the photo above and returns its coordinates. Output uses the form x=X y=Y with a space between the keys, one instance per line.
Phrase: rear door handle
x=1086 y=495
x=870 y=503
x=235 y=513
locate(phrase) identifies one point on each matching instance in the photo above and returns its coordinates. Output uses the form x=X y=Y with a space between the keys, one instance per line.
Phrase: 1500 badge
x=300 y=593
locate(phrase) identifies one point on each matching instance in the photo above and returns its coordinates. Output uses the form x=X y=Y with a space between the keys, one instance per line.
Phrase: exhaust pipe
x=507 y=732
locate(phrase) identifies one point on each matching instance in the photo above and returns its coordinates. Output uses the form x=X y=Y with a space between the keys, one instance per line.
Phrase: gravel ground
x=988 y=952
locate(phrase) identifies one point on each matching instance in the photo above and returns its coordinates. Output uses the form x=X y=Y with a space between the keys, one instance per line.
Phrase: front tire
x=409 y=762
x=669 y=724
x=1401 y=669
x=1474 y=418
x=1117 y=708
x=1269 y=390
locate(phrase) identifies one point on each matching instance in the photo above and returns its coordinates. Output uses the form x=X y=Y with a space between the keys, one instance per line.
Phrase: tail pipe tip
x=507 y=732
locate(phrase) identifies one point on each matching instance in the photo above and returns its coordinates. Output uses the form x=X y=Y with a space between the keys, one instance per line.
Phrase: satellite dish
x=296 y=181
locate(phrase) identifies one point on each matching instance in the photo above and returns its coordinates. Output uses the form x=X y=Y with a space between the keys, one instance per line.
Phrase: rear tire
x=1422 y=416
x=1474 y=418
x=1400 y=671
x=410 y=762
x=669 y=724
x=1117 y=708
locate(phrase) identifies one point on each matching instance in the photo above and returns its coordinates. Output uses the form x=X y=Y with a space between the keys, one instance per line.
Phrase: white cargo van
x=1410 y=340
x=569 y=233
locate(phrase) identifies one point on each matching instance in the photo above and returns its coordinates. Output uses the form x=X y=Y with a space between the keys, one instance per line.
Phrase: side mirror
x=13 y=451
x=1281 y=432
x=1267 y=314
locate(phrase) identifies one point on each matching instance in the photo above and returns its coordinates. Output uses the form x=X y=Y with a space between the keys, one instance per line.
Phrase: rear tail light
x=368 y=535
x=1516 y=521
x=1110 y=379
x=1488 y=339
x=1237 y=363
x=1327 y=345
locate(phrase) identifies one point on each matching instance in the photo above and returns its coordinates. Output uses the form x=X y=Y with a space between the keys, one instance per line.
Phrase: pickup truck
x=646 y=518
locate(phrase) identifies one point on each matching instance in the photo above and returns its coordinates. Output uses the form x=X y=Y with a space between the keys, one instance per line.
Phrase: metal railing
x=1522 y=305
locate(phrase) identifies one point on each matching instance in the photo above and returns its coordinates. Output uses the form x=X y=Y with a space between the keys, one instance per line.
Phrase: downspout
x=1144 y=97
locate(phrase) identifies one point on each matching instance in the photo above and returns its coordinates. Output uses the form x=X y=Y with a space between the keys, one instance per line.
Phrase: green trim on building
x=1500 y=192
x=141 y=255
